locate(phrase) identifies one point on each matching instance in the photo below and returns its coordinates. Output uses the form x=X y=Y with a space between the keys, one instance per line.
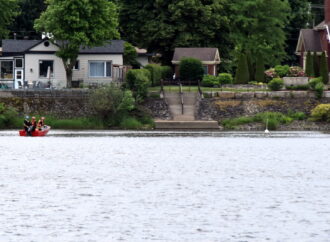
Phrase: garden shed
x=209 y=57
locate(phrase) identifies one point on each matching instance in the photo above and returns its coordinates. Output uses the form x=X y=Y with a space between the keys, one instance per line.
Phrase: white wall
x=32 y=69
x=59 y=78
x=143 y=60
x=83 y=72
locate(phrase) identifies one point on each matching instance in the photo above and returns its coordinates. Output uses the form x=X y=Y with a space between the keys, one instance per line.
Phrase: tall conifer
x=242 y=72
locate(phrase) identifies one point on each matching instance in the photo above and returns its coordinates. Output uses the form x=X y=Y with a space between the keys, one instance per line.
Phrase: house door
x=18 y=78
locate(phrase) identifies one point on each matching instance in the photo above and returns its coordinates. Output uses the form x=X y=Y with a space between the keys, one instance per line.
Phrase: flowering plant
x=296 y=71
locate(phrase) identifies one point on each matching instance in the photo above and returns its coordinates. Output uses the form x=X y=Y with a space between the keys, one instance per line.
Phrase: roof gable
x=309 y=40
x=44 y=45
x=203 y=54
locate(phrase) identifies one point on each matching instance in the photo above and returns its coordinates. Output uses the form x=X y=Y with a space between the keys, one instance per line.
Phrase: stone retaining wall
x=230 y=105
x=59 y=103
x=69 y=103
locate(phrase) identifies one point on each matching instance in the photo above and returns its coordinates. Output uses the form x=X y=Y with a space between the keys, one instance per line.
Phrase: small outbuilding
x=315 y=40
x=209 y=57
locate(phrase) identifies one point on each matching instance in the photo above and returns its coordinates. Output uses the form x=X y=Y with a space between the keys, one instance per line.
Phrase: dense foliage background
x=267 y=28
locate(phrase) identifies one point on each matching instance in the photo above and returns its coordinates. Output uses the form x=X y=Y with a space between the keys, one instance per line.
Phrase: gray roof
x=21 y=46
x=115 y=47
x=17 y=46
x=203 y=54
x=311 y=40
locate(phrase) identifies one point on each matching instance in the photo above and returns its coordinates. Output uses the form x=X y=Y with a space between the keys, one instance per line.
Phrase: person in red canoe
x=27 y=125
x=41 y=123
x=33 y=125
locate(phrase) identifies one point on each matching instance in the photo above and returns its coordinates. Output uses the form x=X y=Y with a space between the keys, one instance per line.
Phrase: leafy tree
x=78 y=24
x=258 y=26
x=309 y=70
x=324 y=70
x=316 y=64
x=130 y=56
x=242 y=72
x=162 y=25
x=30 y=10
x=7 y=13
x=191 y=69
x=260 y=69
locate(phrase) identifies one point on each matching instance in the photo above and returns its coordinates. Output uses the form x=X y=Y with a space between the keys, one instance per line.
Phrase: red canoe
x=36 y=133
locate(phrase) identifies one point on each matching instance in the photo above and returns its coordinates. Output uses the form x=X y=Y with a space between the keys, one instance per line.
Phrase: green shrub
x=274 y=119
x=155 y=73
x=191 y=69
x=282 y=70
x=210 y=81
x=130 y=123
x=276 y=84
x=316 y=64
x=106 y=100
x=297 y=115
x=319 y=88
x=314 y=81
x=167 y=72
x=309 y=65
x=272 y=124
x=138 y=82
x=8 y=117
x=324 y=70
x=297 y=87
x=75 y=123
x=225 y=78
x=321 y=113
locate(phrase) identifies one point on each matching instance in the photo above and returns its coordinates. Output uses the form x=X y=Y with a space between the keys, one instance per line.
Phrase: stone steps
x=199 y=125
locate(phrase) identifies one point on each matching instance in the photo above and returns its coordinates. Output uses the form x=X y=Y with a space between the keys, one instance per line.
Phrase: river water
x=165 y=186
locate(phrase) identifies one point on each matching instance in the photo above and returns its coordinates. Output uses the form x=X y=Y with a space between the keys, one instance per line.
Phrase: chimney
x=327 y=11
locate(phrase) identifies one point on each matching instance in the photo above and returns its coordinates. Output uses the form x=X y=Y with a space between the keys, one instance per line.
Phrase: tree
x=309 y=69
x=242 y=73
x=130 y=56
x=7 y=14
x=162 y=25
x=316 y=64
x=258 y=26
x=324 y=70
x=30 y=10
x=260 y=69
x=78 y=24
x=191 y=69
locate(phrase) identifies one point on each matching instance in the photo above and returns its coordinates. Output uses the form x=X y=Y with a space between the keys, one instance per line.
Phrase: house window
x=46 y=68
x=206 y=70
x=100 y=68
x=77 y=65
x=19 y=63
x=7 y=69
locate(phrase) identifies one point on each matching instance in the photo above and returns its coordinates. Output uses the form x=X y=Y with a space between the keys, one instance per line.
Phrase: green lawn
x=204 y=89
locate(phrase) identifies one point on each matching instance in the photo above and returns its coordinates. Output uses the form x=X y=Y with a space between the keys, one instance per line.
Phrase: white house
x=34 y=62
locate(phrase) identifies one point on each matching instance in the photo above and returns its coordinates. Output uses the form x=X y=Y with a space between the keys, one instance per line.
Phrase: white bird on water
x=266 y=130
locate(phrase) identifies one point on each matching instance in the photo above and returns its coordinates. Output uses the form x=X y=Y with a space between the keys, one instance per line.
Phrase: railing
x=200 y=92
x=181 y=97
